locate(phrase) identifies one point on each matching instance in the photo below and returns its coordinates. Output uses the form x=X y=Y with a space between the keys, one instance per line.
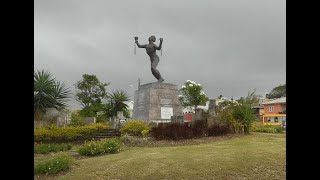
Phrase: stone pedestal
x=198 y=114
x=212 y=107
x=156 y=102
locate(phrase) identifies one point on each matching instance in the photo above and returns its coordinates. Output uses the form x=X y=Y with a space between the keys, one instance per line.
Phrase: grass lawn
x=254 y=156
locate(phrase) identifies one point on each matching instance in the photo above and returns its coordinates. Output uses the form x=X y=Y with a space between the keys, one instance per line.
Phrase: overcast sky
x=229 y=46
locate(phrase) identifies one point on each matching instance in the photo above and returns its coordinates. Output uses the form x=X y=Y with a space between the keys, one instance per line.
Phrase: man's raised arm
x=140 y=46
x=160 y=45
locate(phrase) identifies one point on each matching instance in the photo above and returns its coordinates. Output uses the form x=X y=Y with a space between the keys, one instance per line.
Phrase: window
x=270 y=108
x=280 y=119
x=267 y=119
x=271 y=119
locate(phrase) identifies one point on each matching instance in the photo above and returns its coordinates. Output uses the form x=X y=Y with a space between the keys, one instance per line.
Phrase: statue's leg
x=155 y=72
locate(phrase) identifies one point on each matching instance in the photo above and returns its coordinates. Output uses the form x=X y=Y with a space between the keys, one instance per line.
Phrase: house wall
x=276 y=108
x=283 y=107
x=261 y=111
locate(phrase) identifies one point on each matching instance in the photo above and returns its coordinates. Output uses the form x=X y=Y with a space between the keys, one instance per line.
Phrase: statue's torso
x=151 y=50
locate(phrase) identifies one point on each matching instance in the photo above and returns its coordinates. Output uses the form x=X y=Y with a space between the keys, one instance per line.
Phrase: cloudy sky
x=229 y=46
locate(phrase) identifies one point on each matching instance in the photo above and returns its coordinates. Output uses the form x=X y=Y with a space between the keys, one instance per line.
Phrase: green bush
x=102 y=118
x=135 y=128
x=259 y=127
x=69 y=133
x=46 y=148
x=239 y=114
x=76 y=118
x=145 y=132
x=244 y=114
x=56 y=164
x=100 y=147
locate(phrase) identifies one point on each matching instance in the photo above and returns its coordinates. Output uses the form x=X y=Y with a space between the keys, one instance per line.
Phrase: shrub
x=134 y=128
x=91 y=148
x=225 y=116
x=172 y=131
x=279 y=129
x=199 y=128
x=101 y=118
x=56 y=164
x=178 y=131
x=244 y=114
x=152 y=124
x=69 y=133
x=46 y=148
x=145 y=132
x=219 y=129
x=76 y=118
x=259 y=127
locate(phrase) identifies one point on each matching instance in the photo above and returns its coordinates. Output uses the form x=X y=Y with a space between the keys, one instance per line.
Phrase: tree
x=192 y=95
x=238 y=114
x=277 y=92
x=48 y=93
x=116 y=102
x=243 y=112
x=224 y=114
x=251 y=98
x=91 y=93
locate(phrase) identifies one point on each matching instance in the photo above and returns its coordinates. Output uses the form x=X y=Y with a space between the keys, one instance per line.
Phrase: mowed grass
x=254 y=156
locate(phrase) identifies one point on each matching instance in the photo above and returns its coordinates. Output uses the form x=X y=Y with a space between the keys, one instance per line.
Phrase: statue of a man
x=154 y=58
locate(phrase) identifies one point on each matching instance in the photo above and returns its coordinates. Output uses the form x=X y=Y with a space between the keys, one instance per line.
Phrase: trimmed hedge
x=177 y=131
x=219 y=129
x=67 y=134
x=135 y=128
x=172 y=131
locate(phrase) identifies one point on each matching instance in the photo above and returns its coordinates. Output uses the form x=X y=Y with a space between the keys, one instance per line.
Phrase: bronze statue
x=154 y=58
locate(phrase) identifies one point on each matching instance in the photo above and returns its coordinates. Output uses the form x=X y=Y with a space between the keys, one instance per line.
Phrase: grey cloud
x=229 y=46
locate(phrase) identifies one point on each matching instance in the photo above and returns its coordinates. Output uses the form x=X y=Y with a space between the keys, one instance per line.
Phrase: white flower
x=202 y=93
x=179 y=95
x=191 y=85
x=183 y=86
x=199 y=84
x=192 y=82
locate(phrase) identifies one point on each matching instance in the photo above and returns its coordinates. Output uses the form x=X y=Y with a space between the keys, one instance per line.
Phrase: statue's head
x=152 y=39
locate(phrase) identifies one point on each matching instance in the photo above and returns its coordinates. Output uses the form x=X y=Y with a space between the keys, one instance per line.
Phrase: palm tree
x=48 y=93
x=117 y=103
